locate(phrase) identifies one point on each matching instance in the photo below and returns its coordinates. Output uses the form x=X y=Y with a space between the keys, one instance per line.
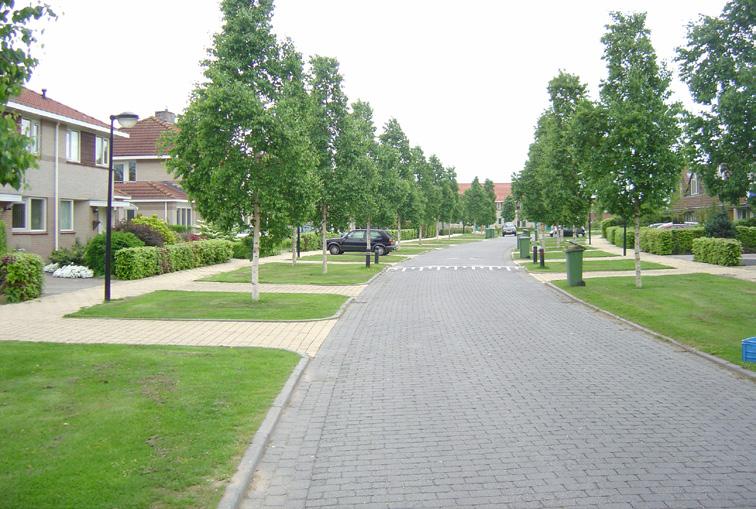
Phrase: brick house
x=65 y=198
x=502 y=190
x=693 y=203
x=140 y=172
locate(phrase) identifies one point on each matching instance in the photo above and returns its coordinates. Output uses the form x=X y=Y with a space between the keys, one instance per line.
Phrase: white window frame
x=184 y=216
x=101 y=142
x=71 y=216
x=694 y=189
x=74 y=158
x=25 y=217
x=31 y=129
x=126 y=173
x=28 y=202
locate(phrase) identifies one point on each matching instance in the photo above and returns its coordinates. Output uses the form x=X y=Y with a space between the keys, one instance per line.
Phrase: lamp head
x=127 y=120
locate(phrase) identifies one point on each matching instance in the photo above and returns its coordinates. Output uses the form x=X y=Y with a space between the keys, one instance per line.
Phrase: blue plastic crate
x=749 y=350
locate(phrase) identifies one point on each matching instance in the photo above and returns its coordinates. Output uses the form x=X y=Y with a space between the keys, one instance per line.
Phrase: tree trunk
x=638 y=283
x=369 y=248
x=450 y=227
x=438 y=231
x=398 y=232
x=574 y=232
x=543 y=237
x=293 y=245
x=256 y=255
x=324 y=234
x=420 y=235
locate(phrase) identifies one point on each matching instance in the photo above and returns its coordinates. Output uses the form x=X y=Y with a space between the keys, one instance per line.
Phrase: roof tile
x=34 y=100
x=143 y=138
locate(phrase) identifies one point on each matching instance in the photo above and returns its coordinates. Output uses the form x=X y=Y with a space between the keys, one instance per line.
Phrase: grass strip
x=178 y=305
x=301 y=274
x=589 y=253
x=354 y=257
x=597 y=266
x=710 y=313
x=103 y=426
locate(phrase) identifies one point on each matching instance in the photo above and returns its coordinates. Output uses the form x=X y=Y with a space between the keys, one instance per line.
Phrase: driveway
x=466 y=384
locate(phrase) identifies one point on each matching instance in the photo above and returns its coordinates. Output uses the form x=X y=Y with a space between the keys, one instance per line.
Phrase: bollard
x=542 y=255
x=367 y=259
x=376 y=257
x=535 y=254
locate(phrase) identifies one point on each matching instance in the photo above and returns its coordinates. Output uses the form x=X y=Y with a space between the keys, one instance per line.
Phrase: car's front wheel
x=334 y=249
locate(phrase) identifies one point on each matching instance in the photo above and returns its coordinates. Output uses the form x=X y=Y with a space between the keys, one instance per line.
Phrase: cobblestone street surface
x=484 y=388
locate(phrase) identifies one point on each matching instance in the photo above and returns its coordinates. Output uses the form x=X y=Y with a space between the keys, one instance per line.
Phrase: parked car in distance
x=567 y=232
x=508 y=229
x=356 y=241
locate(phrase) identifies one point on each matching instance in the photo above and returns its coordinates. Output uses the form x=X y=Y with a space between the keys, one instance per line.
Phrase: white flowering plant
x=51 y=267
x=74 y=271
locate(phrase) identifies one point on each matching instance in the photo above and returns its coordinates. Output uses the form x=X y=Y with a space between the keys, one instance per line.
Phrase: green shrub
x=719 y=225
x=3 y=240
x=747 y=237
x=751 y=221
x=145 y=232
x=727 y=252
x=181 y=256
x=137 y=262
x=242 y=248
x=21 y=276
x=407 y=233
x=606 y=223
x=454 y=230
x=210 y=252
x=617 y=233
x=157 y=224
x=164 y=260
x=73 y=255
x=682 y=239
x=180 y=228
x=310 y=241
x=656 y=241
x=94 y=253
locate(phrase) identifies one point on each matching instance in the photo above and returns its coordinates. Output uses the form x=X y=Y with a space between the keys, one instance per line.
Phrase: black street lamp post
x=126 y=120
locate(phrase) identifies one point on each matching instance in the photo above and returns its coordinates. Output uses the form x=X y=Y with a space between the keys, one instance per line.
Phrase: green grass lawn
x=105 y=426
x=169 y=304
x=591 y=253
x=355 y=257
x=413 y=249
x=598 y=265
x=301 y=274
x=711 y=313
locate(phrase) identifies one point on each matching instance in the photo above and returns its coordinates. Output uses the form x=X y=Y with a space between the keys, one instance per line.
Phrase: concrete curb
x=239 y=483
x=737 y=370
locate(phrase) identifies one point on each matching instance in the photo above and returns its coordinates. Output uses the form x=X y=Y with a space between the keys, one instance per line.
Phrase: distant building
x=502 y=190
x=140 y=172
x=693 y=202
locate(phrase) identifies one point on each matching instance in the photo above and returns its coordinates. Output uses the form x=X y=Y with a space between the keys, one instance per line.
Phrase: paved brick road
x=444 y=388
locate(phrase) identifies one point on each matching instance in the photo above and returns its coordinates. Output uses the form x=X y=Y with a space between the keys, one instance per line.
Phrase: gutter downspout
x=165 y=213
x=56 y=223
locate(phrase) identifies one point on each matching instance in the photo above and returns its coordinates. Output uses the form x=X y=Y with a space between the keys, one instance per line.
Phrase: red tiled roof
x=34 y=100
x=502 y=189
x=143 y=138
x=151 y=190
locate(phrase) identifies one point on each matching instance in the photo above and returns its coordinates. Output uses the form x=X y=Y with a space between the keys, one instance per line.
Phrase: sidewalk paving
x=42 y=319
x=681 y=266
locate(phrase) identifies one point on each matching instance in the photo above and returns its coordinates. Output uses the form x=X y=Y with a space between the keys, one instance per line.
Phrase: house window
x=124 y=170
x=130 y=214
x=694 y=190
x=184 y=217
x=742 y=213
x=19 y=216
x=30 y=215
x=66 y=212
x=30 y=129
x=102 y=152
x=72 y=146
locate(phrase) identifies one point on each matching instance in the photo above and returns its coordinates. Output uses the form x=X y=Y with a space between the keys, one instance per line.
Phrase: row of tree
x=271 y=142
x=627 y=149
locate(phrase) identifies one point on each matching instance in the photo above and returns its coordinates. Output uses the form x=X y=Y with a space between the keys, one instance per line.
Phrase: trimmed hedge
x=3 y=240
x=141 y=262
x=21 y=276
x=747 y=237
x=606 y=223
x=407 y=233
x=615 y=234
x=727 y=252
x=669 y=241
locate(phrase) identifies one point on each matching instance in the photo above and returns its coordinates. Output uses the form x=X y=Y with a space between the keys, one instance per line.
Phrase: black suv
x=380 y=242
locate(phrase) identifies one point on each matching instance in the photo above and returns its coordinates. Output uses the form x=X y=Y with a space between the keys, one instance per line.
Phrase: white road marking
x=509 y=268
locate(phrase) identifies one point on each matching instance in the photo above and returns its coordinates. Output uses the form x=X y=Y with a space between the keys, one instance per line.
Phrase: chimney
x=166 y=116
x=44 y=93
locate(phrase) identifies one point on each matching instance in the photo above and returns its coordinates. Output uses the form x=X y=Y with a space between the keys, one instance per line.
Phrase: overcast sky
x=466 y=80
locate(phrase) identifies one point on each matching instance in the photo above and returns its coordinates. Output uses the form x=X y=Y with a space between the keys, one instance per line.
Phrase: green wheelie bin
x=574 y=255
